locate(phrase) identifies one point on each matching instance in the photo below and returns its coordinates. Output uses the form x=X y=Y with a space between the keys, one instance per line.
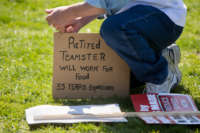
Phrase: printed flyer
x=166 y=103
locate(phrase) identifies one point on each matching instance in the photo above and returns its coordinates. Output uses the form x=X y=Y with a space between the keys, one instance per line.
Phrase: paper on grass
x=83 y=109
x=166 y=103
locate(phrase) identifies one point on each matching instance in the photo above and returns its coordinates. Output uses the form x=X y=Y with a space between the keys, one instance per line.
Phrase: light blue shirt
x=175 y=9
x=111 y=6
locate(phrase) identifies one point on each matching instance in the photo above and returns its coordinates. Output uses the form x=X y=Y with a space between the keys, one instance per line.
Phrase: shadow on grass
x=42 y=126
x=124 y=103
x=181 y=90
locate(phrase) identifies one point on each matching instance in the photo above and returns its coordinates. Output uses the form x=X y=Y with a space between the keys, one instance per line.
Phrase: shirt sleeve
x=100 y=4
x=97 y=3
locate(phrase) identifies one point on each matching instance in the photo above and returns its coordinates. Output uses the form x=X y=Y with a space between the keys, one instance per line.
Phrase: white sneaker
x=172 y=55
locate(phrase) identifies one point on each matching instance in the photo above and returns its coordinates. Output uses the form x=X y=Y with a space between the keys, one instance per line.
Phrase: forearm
x=88 y=19
x=83 y=10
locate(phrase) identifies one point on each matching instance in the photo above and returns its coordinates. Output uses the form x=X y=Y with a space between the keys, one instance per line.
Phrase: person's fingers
x=54 y=25
x=73 y=28
x=48 y=20
x=61 y=29
x=69 y=29
x=49 y=11
x=77 y=27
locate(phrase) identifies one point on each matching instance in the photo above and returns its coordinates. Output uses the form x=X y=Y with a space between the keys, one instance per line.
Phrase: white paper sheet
x=83 y=109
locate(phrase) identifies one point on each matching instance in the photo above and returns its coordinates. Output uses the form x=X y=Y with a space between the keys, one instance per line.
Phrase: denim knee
x=108 y=27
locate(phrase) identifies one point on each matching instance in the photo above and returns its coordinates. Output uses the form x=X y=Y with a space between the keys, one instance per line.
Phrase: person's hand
x=58 y=17
x=73 y=28
x=77 y=24
x=72 y=18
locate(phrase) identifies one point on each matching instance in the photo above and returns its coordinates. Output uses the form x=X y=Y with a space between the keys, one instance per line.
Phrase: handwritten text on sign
x=84 y=63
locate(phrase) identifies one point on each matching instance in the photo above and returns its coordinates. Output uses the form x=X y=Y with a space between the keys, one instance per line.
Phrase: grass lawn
x=26 y=56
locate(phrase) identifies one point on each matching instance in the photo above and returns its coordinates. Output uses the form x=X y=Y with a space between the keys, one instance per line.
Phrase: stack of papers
x=83 y=109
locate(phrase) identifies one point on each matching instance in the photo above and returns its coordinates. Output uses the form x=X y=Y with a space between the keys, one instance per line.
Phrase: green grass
x=26 y=56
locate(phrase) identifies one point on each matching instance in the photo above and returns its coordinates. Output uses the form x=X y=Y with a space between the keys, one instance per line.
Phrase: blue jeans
x=138 y=35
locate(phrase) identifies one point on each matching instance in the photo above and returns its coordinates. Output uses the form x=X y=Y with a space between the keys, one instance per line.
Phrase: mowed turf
x=26 y=60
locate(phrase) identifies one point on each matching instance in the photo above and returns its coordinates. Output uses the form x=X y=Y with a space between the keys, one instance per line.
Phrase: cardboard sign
x=85 y=67
x=166 y=103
